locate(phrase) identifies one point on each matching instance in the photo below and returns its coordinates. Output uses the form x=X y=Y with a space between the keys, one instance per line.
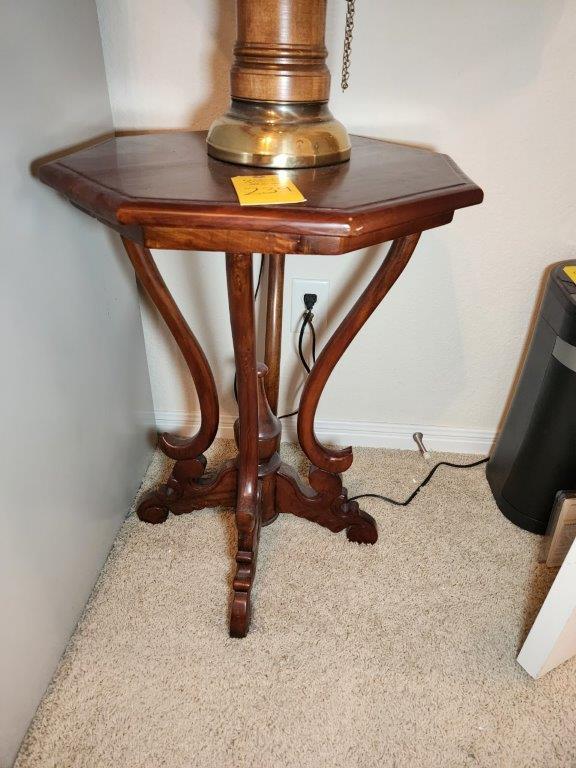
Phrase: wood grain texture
x=186 y=491
x=269 y=434
x=248 y=518
x=152 y=282
x=280 y=53
x=162 y=190
x=324 y=502
x=330 y=459
x=273 y=339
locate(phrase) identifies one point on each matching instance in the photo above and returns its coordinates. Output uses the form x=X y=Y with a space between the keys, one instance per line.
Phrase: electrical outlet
x=321 y=288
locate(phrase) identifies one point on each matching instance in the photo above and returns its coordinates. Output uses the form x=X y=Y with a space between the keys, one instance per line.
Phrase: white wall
x=491 y=84
x=75 y=396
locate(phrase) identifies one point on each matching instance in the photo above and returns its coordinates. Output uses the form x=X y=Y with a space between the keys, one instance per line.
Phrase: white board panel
x=552 y=639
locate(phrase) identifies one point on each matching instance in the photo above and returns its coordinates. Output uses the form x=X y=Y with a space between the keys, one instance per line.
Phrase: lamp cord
x=424 y=482
x=307 y=322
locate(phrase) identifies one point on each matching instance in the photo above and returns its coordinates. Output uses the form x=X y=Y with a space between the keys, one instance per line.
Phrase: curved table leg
x=331 y=460
x=182 y=449
x=241 y=303
x=272 y=354
x=273 y=341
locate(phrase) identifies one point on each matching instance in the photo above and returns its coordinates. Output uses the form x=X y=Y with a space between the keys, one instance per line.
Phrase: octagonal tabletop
x=162 y=190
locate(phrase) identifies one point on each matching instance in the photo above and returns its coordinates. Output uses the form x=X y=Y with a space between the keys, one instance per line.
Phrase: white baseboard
x=357 y=433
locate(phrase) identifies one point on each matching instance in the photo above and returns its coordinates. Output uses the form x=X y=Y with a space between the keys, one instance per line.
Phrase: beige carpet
x=401 y=654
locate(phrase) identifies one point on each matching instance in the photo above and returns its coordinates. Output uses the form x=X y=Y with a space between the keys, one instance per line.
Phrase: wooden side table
x=163 y=191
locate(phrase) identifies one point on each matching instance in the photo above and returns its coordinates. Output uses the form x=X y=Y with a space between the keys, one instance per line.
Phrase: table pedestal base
x=258 y=484
x=280 y=490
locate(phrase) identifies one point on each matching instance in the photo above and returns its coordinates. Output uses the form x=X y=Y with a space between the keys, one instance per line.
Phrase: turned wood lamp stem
x=280 y=84
x=280 y=54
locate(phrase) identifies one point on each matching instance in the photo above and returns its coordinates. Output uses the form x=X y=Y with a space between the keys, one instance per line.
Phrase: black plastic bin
x=535 y=455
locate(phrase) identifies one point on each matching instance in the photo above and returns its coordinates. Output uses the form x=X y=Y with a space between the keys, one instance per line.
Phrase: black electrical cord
x=259 y=280
x=287 y=415
x=422 y=484
x=306 y=323
x=313 y=332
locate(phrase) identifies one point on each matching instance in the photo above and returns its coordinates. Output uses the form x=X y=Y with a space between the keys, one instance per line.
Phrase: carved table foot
x=324 y=502
x=187 y=490
x=241 y=612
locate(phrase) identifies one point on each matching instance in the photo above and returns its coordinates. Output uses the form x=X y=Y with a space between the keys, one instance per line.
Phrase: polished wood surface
x=269 y=435
x=162 y=191
x=240 y=299
x=325 y=502
x=273 y=339
x=151 y=280
x=339 y=460
x=280 y=53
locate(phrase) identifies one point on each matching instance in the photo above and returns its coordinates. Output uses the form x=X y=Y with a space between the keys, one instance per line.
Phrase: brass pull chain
x=347 y=56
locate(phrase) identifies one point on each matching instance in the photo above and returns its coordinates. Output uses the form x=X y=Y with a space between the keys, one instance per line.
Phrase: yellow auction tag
x=266 y=190
x=571 y=272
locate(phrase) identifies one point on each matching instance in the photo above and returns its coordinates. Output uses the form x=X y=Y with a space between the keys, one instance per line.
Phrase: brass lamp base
x=279 y=135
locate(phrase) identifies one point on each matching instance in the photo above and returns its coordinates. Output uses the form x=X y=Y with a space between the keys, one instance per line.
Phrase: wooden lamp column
x=279 y=116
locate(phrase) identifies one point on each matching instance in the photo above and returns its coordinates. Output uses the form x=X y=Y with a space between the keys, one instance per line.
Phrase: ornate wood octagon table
x=163 y=191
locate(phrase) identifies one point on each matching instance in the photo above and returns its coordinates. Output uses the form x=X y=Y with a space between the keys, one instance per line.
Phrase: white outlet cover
x=321 y=288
